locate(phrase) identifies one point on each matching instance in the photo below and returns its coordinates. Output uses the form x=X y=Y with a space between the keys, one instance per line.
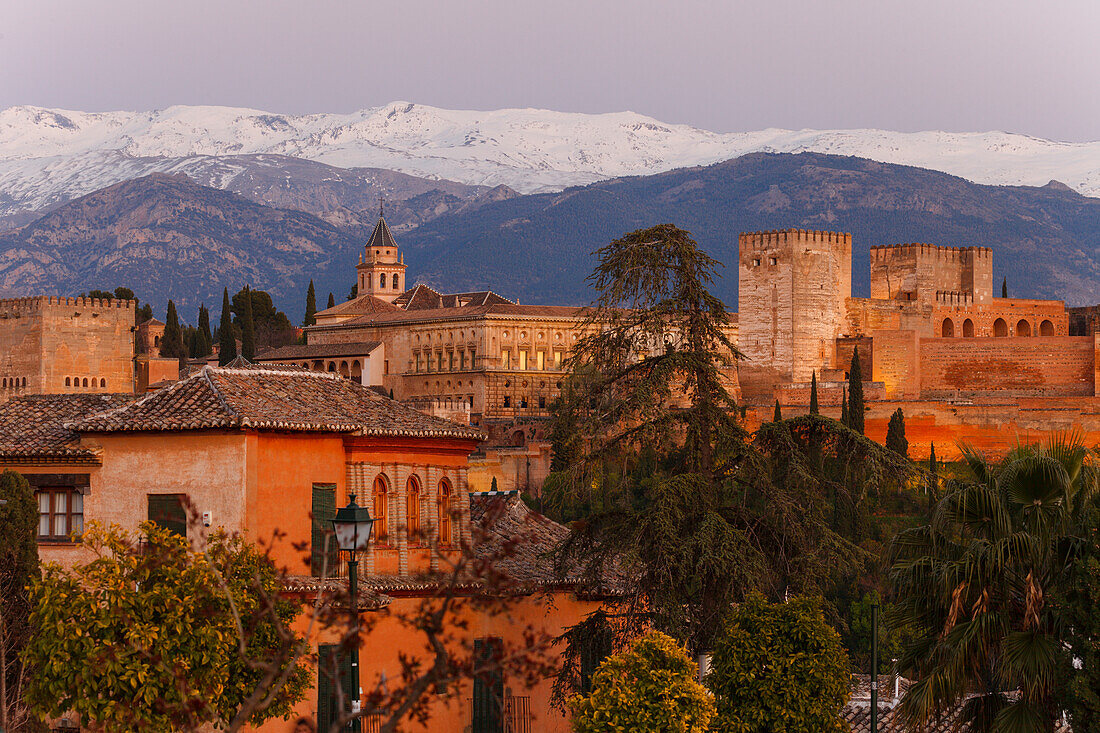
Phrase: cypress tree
x=204 y=323
x=331 y=301
x=844 y=408
x=227 y=345
x=855 y=394
x=778 y=416
x=201 y=341
x=311 y=306
x=1004 y=288
x=895 y=434
x=248 y=328
x=933 y=480
x=814 y=409
x=171 y=343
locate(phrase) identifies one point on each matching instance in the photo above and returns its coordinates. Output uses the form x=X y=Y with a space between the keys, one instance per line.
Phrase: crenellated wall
x=930 y=273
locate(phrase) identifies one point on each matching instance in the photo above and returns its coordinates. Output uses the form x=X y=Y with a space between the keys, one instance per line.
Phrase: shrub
x=779 y=667
x=651 y=686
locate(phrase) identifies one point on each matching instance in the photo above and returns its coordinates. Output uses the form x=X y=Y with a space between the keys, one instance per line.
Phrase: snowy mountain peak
x=53 y=155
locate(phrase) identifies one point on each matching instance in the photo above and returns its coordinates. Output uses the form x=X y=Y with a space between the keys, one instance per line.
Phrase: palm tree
x=972 y=586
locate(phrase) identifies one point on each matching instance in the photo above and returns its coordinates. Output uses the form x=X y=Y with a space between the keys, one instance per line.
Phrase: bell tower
x=381 y=268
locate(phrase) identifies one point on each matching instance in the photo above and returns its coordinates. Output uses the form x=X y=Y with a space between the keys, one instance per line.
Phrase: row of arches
x=1000 y=328
x=346 y=368
x=414 y=528
x=85 y=382
x=13 y=383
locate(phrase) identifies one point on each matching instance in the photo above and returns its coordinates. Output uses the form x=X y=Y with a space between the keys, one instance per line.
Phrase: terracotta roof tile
x=318 y=351
x=34 y=425
x=576 y=313
x=369 y=600
x=272 y=399
x=359 y=306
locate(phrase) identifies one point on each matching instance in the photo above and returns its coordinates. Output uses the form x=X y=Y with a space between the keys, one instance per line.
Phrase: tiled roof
x=359 y=306
x=424 y=297
x=34 y=425
x=272 y=399
x=575 y=313
x=369 y=600
x=381 y=236
x=857 y=712
x=319 y=351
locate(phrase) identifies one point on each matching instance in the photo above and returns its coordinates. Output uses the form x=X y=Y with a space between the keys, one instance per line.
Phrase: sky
x=1023 y=66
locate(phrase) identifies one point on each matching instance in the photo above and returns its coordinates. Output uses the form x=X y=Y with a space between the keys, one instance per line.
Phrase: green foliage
x=144 y=313
x=227 y=342
x=1081 y=606
x=814 y=408
x=777 y=416
x=331 y=300
x=269 y=327
x=651 y=686
x=311 y=306
x=18 y=568
x=202 y=341
x=895 y=434
x=19 y=518
x=143 y=637
x=844 y=408
x=354 y=292
x=493 y=486
x=1004 y=288
x=171 y=343
x=242 y=309
x=778 y=667
x=933 y=479
x=856 y=407
x=974 y=586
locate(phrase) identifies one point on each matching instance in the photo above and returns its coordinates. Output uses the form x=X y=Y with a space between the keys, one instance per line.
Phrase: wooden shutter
x=326 y=693
x=167 y=510
x=488 y=687
x=324 y=511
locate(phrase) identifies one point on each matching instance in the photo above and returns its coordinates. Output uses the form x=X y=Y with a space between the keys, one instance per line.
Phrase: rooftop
x=359 y=306
x=271 y=399
x=319 y=351
x=35 y=425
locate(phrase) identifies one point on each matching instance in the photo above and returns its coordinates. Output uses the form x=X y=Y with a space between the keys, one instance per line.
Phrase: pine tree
x=331 y=301
x=778 y=416
x=855 y=394
x=248 y=328
x=895 y=434
x=814 y=409
x=311 y=306
x=844 y=407
x=1004 y=288
x=171 y=343
x=227 y=345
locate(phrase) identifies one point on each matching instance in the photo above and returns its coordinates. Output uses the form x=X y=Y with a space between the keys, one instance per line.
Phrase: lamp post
x=352 y=527
x=874 y=666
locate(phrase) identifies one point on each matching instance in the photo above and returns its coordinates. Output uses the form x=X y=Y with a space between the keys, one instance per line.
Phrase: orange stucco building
x=266 y=450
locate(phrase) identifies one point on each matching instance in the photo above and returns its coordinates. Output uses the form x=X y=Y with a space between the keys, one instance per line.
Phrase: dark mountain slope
x=1046 y=240
x=166 y=237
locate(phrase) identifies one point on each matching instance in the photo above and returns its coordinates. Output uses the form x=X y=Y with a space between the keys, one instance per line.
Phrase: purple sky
x=725 y=65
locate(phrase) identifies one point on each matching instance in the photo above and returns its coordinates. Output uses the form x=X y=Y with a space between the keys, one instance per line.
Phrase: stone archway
x=968 y=328
x=1046 y=328
x=947 y=329
x=1000 y=327
x=1023 y=328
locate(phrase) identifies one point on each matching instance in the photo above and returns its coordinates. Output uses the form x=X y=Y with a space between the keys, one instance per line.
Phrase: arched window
x=443 y=509
x=395 y=282
x=1046 y=328
x=382 y=280
x=1000 y=328
x=102 y=382
x=5 y=382
x=968 y=328
x=1023 y=328
x=85 y=382
x=948 y=328
x=412 y=508
x=381 y=494
x=68 y=382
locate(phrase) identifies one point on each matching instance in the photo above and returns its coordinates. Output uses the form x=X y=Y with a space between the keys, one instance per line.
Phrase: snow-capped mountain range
x=50 y=156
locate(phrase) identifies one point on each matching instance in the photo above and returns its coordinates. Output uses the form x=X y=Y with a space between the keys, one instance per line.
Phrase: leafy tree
x=160 y=626
x=651 y=686
x=311 y=306
x=227 y=342
x=856 y=407
x=331 y=301
x=779 y=667
x=814 y=409
x=895 y=434
x=354 y=292
x=973 y=584
x=171 y=343
x=777 y=416
x=99 y=294
x=1081 y=605
x=1004 y=288
x=270 y=327
x=122 y=293
x=144 y=313
x=18 y=568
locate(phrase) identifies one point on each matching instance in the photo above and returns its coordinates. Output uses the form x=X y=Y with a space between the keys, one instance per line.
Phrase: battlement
x=954 y=254
x=37 y=302
x=954 y=298
x=776 y=237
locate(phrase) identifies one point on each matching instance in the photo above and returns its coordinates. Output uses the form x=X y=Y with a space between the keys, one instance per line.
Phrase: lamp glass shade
x=352 y=526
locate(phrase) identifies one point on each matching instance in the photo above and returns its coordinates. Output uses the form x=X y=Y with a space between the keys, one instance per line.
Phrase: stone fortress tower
x=793 y=285
x=381 y=268
x=931 y=274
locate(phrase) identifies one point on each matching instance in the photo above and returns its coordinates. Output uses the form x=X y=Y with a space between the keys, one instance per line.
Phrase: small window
x=60 y=513
x=169 y=511
x=542 y=402
x=451 y=360
x=68 y=382
x=322 y=557
x=440 y=364
x=381 y=495
x=772 y=261
x=507 y=401
x=412 y=509
x=505 y=359
x=756 y=262
x=419 y=364
x=385 y=366
x=540 y=359
x=382 y=280
x=523 y=358
x=395 y=282
x=85 y=381
x=444 y=513
x=102 y=382
x=557 y=359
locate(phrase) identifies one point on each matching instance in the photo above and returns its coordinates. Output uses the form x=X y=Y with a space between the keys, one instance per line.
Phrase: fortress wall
x=85 y=338
x=21 y=368
x=983 y=317
x=845 y=348
x=920 y=271
x=959 y=367
x=864 y=316
x=897 y=364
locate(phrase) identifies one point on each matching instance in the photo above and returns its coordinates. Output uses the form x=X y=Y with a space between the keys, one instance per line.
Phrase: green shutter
x=167 y=510
x=488 y=687
x=324 y=511
x=326 y=689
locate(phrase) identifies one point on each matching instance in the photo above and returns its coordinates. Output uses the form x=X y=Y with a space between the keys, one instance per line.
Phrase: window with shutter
x=169 y=511
x=322 y=561
x=332 y=662
x=488 y=686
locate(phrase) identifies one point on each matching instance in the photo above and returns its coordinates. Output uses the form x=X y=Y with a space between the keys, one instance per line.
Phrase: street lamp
x=352 y=527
